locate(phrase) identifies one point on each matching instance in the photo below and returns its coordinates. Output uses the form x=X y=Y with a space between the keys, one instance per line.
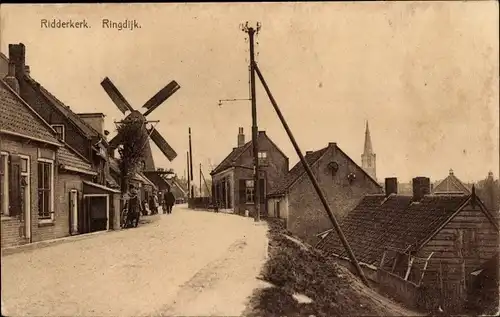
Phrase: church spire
x=368 y=158
x=368 y=141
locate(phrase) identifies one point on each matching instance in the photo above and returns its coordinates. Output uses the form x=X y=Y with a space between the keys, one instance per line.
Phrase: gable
x=451 y=184
x=242 y=156
x=16 y=116
x=314 y=158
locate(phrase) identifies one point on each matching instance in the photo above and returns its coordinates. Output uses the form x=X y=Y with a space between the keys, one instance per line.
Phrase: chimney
x=95 y=120
x=421 y=187
x=241 y=137
x=308 y=152
x=391 y=186
x=17 y=55
x=11 y=79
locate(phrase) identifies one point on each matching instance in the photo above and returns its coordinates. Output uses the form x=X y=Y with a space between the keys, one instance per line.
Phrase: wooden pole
x=191 y=189
x=201 y=194
x=313 y=179
x=251 y=33
x=188 y=178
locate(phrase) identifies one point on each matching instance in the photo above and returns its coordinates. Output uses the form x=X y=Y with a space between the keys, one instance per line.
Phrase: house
x=421 y=248
x=232 y=180
x=450 y=185
x=42 y=178
x=100 y=194
x=343 y=182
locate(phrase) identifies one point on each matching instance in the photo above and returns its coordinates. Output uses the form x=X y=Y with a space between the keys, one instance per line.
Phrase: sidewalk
x=46 y=243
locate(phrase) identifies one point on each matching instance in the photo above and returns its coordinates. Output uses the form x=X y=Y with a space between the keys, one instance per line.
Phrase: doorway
x=97 y=212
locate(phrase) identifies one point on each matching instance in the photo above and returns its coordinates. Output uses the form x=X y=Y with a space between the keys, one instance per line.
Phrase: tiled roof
x=236 y=152
x=69 y=158
x=378 y=223
x=297 y=171
x=451 y=184
x=18 y=117
x=228 y=161
x=88 y=131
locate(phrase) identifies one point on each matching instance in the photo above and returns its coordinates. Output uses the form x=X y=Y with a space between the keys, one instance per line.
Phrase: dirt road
x=187 y=263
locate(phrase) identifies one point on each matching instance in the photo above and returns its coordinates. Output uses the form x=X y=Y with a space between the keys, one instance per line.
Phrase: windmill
x=153 y=103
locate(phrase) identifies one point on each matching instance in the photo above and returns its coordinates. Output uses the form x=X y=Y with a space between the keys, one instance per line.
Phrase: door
x=278 y=209
x=73 y=212
x=98 y=213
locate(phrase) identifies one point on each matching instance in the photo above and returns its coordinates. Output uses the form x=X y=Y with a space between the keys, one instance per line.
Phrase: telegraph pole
x=201 y=194
x=189 y=182
x=191 y=189
x=251 y=34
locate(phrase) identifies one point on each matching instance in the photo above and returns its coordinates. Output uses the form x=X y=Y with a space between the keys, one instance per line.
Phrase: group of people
x=166 y=201
x=134 y=207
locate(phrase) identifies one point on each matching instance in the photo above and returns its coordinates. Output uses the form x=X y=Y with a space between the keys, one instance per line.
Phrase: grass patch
x=293 y=269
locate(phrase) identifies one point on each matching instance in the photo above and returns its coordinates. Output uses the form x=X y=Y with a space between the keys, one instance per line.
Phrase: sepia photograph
x=250 y=159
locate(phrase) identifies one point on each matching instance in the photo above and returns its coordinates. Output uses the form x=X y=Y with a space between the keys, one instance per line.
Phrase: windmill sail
x=161 y=96
x=115 y=95
x=162 y=144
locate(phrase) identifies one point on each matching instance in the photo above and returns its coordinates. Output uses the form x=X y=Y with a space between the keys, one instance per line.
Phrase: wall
x=307 y=216
x=273 y=172
x=278 y=163
x=12 y=228
x=65 y=182
x=465 y=243
x=272 y=207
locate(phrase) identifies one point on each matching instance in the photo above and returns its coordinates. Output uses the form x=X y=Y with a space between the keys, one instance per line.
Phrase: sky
x=424 y=74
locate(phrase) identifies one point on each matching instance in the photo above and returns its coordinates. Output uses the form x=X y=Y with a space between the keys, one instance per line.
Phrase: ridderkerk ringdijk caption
x=119 y=25
x=64 y=24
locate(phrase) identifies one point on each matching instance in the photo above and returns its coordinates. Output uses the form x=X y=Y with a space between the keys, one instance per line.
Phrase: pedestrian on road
x=169 y=201
x=134 y=208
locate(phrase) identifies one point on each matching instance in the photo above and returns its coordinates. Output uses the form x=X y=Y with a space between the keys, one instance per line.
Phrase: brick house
x=422 y=248
x=100 y=192
x=41 y=176
x=343 y=182
x=232 y=179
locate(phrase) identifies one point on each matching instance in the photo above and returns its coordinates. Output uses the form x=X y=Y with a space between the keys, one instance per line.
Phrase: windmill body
x=135 y=115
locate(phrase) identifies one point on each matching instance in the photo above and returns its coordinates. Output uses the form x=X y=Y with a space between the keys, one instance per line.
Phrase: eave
x=24 y=136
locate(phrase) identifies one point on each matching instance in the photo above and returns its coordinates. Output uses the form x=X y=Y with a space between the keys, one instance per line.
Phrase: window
x=262 y=158
x=4 y=181
x=249 y=191
x=45 y=192
x=24 y=165
x=59 y=130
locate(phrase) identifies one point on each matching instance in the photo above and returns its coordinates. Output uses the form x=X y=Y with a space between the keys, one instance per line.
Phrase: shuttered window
x=4 y=184
x=45 y=180
x=15 y=197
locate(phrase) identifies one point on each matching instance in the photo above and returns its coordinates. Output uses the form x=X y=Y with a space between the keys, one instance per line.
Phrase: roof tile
x=395 y=222
x=18 y=117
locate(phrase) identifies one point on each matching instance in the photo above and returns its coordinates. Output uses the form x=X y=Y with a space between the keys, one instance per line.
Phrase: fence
x=199 y=202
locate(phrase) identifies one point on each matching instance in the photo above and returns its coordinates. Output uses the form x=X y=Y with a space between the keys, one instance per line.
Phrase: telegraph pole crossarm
x=313 y=179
